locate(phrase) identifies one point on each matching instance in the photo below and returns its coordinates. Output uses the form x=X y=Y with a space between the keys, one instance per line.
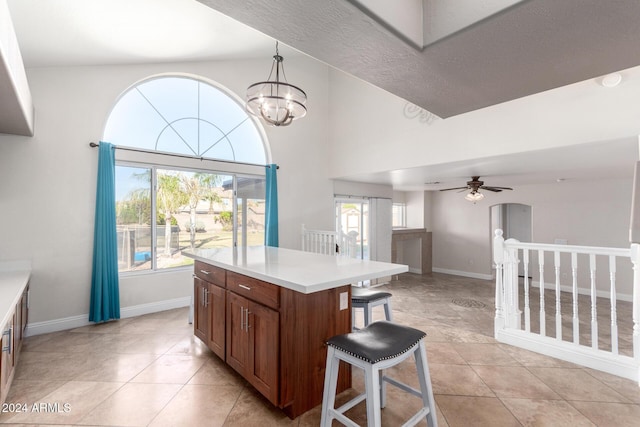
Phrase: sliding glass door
x=352 y=220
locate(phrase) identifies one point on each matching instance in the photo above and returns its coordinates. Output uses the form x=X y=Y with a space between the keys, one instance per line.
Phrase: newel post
x=498 y=259
x=635 y=259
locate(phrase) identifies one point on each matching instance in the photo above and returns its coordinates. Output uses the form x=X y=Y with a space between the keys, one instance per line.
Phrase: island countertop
x=300 y=271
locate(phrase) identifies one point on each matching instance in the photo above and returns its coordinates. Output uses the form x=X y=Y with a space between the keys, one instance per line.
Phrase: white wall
x=364 y=116
x=589 y=213
x=47 y=182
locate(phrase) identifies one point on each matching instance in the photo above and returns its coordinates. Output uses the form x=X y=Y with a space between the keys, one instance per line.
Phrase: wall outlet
x=344 y=300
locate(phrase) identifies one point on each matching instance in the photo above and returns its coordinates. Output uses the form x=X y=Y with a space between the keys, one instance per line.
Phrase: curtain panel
x=271 y=214
x=105 y=293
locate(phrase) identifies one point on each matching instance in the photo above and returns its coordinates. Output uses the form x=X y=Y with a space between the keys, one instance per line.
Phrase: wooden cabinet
x=253 y=343
x=273 y=336
x=217 y=309
x=209 y=310
x=7 y=359
x=11 y=342
x=201 y=312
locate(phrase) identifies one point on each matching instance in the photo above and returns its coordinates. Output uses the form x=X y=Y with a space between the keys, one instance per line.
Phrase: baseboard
x=415 y=270
x=463 y=273
x=63 y=324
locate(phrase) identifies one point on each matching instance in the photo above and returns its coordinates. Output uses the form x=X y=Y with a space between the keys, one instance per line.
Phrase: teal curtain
x=271 y=214
x=105 y=293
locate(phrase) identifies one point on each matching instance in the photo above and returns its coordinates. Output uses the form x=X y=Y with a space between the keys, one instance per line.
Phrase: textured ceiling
x=534 y=46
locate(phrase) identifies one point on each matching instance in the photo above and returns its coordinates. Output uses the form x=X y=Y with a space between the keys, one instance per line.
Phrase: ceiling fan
x=475 y=185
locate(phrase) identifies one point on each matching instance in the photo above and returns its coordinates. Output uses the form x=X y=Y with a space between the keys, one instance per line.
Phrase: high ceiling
x=528 y=47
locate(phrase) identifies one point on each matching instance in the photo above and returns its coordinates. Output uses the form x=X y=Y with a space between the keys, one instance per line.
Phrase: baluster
x=574 y=284
x=614 y=315
x=527 y=308
x=498 y=258
x=556 y=261
x=543 y=320
x=594 y=311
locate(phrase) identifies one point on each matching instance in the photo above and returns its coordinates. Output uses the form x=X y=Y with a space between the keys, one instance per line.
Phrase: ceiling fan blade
x=456 y=188
x=496 y=189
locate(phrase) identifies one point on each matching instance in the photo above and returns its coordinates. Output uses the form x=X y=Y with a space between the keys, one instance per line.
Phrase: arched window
x=189 y=171
x=187 y=116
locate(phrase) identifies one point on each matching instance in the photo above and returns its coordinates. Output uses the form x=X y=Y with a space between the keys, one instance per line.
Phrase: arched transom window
x=186 y=116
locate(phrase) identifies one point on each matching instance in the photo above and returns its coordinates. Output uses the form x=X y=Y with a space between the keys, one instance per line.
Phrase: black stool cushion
x=361 y=295
x=378 y=341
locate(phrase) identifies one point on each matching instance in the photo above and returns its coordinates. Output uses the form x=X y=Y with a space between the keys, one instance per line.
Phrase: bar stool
x=367 y=299
x=374 y=348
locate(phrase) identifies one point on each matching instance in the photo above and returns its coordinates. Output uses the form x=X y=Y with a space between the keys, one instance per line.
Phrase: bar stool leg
x=424 y=377
x=372 y=386
x=330 y=384
x=368 y=314
x=383 y=390
x=387 y=310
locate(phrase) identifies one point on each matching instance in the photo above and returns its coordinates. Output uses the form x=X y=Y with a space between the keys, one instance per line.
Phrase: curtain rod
x=184 y=156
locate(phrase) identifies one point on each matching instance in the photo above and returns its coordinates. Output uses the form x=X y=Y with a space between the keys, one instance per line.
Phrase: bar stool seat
x=367 y=299
x=374 y=348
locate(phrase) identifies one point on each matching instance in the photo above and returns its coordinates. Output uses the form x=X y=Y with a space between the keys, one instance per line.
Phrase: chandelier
x=277 y=102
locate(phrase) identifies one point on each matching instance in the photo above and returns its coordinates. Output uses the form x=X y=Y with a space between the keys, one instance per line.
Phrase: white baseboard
x=463 y=273
x=415 y=270
x=55 y=325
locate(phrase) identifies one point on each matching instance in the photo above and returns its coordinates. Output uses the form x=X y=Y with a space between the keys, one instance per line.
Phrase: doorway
x=514 y=219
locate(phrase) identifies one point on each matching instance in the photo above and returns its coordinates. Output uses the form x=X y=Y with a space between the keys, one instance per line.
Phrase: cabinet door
x=264 y=343
x=237 y=333
x=217 y=309
x=6 y=356
x=201 y=312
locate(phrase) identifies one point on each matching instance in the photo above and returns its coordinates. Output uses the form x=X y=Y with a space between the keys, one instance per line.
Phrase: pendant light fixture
x=277 y=102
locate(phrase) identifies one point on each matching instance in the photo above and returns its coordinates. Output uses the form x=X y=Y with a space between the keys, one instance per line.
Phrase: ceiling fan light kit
x=475 y=185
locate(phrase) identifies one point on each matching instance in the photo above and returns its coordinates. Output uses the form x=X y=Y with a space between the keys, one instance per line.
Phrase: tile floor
x=151 y=371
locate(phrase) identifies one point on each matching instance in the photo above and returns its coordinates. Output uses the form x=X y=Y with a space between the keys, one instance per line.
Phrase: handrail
x=595 y=250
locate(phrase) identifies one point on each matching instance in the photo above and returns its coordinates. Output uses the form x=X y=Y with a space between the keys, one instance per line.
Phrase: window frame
x=154 y=160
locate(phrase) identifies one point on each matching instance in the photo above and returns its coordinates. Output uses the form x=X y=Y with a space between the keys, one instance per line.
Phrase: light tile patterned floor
x=151 y=371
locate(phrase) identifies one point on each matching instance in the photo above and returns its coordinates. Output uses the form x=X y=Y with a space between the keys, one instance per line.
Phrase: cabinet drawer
x=254 y=289
x=210 y=273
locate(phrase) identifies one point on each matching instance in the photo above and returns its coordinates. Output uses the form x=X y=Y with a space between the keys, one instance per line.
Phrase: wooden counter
x=268 y=313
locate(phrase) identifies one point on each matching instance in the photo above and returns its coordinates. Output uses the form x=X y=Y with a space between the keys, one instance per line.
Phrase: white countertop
x=303 y=272
x=14 y=277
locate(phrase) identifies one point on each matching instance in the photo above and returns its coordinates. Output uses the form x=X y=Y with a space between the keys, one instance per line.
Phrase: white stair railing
x=535 y=336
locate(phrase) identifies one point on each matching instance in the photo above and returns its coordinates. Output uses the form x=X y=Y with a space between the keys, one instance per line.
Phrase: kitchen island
x=268 y=312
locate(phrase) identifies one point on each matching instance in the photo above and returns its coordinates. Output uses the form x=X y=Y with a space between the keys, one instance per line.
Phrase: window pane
x=251 y=211
x=185 y=116
x=194 y=210
x=133 y=218
x=399 y=215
